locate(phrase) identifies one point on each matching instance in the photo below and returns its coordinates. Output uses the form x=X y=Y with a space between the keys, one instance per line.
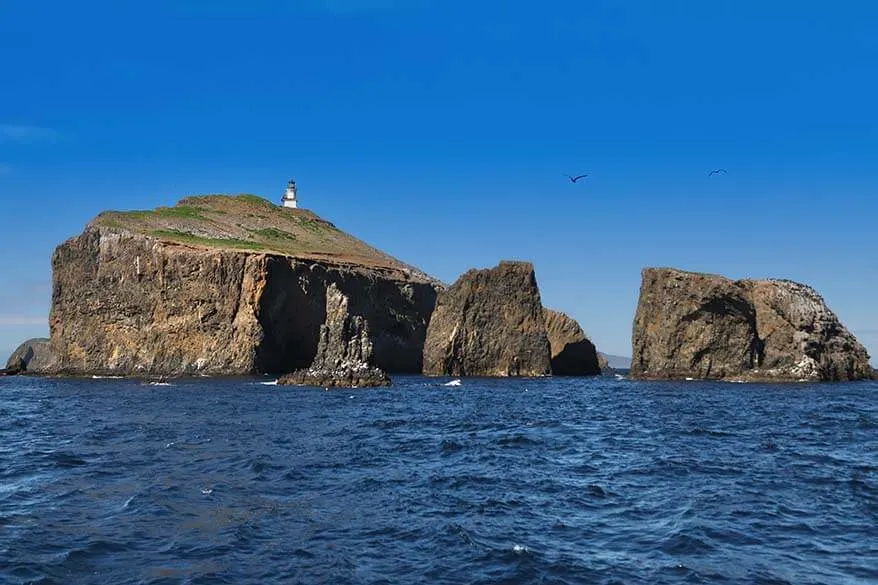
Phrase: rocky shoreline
x=233 y=285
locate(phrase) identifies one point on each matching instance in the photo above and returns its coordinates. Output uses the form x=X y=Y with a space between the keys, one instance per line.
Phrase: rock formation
x=34 y=356
x=707 y=326
x=489 y=323
x=344 y=352
x=573 y=354
x=227 y=286
x=604 y=364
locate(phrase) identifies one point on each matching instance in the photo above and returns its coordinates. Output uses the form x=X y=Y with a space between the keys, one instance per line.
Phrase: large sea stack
x=489 y=323
x=691 y=325
x=225 y=285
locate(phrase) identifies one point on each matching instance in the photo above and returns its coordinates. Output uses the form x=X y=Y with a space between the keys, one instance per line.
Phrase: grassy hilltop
x=250 y=223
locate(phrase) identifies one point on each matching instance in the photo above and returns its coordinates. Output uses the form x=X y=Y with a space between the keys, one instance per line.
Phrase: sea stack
x=573 y=354
x=344 y=352
x=692 y=325
x=489 y=323
x=226 y=285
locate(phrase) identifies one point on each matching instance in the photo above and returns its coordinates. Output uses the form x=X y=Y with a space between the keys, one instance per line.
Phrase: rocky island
x=227 y=285
x=692 y=325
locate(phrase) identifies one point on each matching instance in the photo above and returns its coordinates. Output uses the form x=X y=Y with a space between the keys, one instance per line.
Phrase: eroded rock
x=573 y=354
x=707 y=326
x=344 y=352
x=489 y=323
x=34 y=356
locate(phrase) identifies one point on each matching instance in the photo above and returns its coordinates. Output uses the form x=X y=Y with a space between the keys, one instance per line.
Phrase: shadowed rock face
x=344 y=352
x=706 y=326
x=489 y=323
x=131 y=303
x=34 y=356
x=573 y=354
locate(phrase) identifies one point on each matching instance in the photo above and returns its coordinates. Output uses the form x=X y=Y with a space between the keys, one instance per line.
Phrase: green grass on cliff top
x=249 y=223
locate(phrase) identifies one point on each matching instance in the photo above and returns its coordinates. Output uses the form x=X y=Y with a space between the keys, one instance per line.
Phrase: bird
x=575 y=179
x=716 y=172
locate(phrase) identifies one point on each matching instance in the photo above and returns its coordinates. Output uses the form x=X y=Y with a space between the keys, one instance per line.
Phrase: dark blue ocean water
x=495 y=481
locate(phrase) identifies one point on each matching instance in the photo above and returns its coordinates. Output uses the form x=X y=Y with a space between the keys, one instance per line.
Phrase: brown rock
x=183 y=290
x=344 y=352
x=707 y=326
x=489 y=323
x=573 y=354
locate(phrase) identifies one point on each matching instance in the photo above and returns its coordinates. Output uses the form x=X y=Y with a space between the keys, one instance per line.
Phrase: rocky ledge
x=225 y=285
x=691 y=325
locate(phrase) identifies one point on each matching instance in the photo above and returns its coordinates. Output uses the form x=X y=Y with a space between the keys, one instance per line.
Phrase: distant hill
x=618 y=362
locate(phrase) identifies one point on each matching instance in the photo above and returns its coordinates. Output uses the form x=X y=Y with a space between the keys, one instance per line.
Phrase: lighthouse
x=289 y=198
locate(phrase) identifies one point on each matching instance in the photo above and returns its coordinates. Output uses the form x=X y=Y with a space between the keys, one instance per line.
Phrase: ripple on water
x=570 y=481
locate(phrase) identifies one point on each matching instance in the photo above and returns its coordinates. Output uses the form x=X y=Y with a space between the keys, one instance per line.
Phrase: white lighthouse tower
x=289 y=198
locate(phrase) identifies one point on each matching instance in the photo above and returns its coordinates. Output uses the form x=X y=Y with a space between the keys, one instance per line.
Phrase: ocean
x=548 y=481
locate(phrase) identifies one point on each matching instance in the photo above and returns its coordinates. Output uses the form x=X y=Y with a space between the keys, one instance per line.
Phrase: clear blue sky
x=439 y=130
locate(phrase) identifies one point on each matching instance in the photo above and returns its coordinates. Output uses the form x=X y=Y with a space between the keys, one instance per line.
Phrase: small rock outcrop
x=707 y=326
x=489 y=323
x=344 y=351
x=34 y=356
x=573 y=354
x=604 y=364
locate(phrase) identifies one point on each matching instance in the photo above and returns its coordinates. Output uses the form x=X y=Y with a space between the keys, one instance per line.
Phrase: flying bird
x=575 y=179
x=716 y=172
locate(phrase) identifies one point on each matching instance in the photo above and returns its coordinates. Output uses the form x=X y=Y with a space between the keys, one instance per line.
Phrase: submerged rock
x=344 y=351
x=489 y=323
x=707 y=326
x=34 y=356
x=573 y=354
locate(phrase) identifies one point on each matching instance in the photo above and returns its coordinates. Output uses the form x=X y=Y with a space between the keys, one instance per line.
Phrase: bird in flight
x=576 y=178
x=716 y=172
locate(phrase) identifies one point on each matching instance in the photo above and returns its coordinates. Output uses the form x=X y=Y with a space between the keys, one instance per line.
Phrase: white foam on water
x=129 y=500
x=160 y=384
x=207 y=491
x=453 y=383
x=689 y=379
x=520 y=549
x=273 y=383
x=107 y=377
x=620 y=377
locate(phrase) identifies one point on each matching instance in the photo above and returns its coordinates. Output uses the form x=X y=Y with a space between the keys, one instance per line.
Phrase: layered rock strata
x=691 y=325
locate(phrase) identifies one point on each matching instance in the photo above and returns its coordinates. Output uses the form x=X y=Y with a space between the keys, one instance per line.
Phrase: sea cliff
x=225 y=285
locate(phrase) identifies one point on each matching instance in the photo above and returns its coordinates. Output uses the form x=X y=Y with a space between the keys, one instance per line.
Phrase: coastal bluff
x=703 y=326
x=226 y=285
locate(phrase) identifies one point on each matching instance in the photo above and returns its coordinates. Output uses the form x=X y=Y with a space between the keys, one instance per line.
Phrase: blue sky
x=440 y=131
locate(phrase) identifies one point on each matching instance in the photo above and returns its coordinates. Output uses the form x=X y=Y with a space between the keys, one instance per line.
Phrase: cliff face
x=706 y=326
x=489 y=323
x=185 y=290
x=573 y=354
